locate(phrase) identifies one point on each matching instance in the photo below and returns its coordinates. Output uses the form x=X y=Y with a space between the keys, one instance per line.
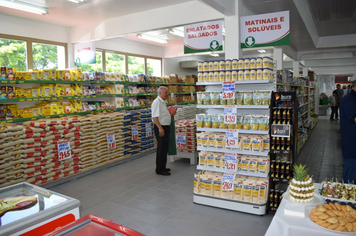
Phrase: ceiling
x=309 y=37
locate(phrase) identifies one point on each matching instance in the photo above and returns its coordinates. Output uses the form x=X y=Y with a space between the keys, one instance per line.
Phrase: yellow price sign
x=9 y=121
x=34 y=118
x=22 y=100
x=4 y=82
x=12 y=82
x=21 y=82
x=35 y=99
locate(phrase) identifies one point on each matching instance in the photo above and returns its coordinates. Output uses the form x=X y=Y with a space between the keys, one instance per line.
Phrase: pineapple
x=302 y=186
x=300 y=172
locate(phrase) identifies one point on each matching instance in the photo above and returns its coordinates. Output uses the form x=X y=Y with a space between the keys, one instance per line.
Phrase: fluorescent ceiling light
x=261 y=51
x=76 y=1
x=176 y=32
x=150 y=38
x=24 y=6
x=214 y=54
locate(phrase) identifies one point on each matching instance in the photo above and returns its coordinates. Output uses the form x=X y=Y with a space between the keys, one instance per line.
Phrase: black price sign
x=281 y=131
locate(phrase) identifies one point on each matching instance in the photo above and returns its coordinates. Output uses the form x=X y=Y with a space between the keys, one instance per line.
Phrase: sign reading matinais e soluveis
x=203 y=37
x=264 y=30
x=84 y=53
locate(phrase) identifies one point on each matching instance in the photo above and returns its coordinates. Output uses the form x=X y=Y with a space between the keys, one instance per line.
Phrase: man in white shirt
x=162 y=120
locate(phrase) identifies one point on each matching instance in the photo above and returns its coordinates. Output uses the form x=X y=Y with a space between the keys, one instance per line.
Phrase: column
x=232 y=35
x=278 y=57
x=295 y=68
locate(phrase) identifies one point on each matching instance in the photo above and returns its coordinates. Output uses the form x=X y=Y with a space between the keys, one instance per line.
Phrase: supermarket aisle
x=132 y=194
x=322 y=152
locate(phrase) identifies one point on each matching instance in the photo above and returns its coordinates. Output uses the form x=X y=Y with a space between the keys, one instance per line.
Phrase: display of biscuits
x=334 y=216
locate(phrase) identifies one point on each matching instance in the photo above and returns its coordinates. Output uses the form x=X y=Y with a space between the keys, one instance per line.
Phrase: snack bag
x=255 y=120
x=247 y=122
x=60 y=90
x=212 y=140
x=248 y=98
x=67 y=107
x=266 y=97
x=215 y=122
x=246 y=143
x=223 y=101
x=239 y=98
x=257 y=98
x=206 y=98
x=67 y=90
x=215 y=98
x=222 y=124
x=207 y=121
x=239 y=122
x=220 y=141
x=263 y=123
x=47 y=91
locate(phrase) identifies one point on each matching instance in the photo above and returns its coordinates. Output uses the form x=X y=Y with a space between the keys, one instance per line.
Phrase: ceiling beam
x=226 y=7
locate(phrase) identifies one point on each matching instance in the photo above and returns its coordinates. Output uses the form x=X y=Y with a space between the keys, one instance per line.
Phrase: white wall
x=32 y=29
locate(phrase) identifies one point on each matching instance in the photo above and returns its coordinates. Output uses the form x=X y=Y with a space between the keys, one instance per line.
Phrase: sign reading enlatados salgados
x=203 y=37
x=264 y=30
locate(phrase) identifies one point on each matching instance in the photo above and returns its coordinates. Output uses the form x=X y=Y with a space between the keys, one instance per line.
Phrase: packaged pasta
x=207 y=121
x=247 y=192
x=210 y=159
x=196 y=183
x=257 y=98
x=247 y=122
x=200 y=120
x=202 y=158
x=209 y=187
x=266 y=143
x=206 y=98
x=218 y=160
x=255 y=120
x=212 y=140
x=199 y=141
x=220 y=141
x=222 y=124
x=263 y=164
x=246 y=143
x=256 y=142
x=245 y=163
x=215 y=98
x=263 y=123
x=238 y=190
x=215 y=122
x=239 y=121
x=239 y=98
x=204 y=139
x=248 y=98
x=223 y=101
x=253 y=164
x=262 y=195
x=255 y=193
x=200 y=98
x=217 y=187
x=266 y=97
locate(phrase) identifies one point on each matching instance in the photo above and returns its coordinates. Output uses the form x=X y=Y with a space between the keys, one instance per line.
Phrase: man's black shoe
x=167 y=169
x=163 y=173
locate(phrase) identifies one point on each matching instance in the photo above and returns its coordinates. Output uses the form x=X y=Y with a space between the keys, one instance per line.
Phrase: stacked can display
x=254 y=68
x=146 y=136
x=188 y=129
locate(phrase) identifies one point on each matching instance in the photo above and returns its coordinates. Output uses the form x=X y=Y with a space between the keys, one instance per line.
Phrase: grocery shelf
x=237 y=106
x=293 y=85
x=252 y=208
x=84 y=113
x=85 y=82
x=241 y=131
x=83 y=96
x=233 y=151
x=232 y=172
x=236 y=82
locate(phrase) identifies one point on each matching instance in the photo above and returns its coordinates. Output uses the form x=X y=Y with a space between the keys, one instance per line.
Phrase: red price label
x=230 y=142
x=227 y=186
x=228 y=95
x=111 y=140
x=230 y=166
x=64 y=150
x=64 y=155
x=230 y=119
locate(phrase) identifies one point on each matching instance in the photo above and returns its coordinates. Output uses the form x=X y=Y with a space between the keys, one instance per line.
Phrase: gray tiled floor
x=131 y=194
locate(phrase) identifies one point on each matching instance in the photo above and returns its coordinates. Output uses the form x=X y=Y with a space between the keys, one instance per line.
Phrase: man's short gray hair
x=161 y=88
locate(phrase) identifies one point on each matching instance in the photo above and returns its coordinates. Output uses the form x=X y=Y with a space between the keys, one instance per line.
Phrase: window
x=48 y=56
x=154 y=67
x=136 y=65
x=115 y=62
x=13 y=54
x=98 y=66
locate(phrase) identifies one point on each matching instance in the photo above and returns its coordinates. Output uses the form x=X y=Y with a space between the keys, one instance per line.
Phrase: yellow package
x=28 y=112
x=20 y=113
x=247 y=192
x=67 y=107
x=36 y=111
x=238 y=189
x=210 y=160
x=205 y=140
x=253 y=164
x=35 y=92
x=212 y=140
x=79 y=105
x=27 y=75
x=60 y=90
x=218 y=160
x=28 y=93
x=67 y=90
x=40 y=75
x=202 y=158
x=46 y=109
x=257 y=144
x=220 y=141
x=111 y=89
x=18 y=92
x=199 y=143
x=73 y=74
x=67 y=75
x=34 y=75
x=13 y=109
x=53 y=109
x=60 y=109
x=60 y=75
x=53 y=75
x=46 y=91
x=79 y=89
x=47 y=75
x=53 y=90
x=255 y=193
x=246 y=143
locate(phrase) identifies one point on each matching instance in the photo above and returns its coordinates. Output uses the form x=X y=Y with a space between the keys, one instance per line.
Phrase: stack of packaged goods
x=35 y=151
x=187 y=127
x=185 y=112
x=146 y=133
x=131 y=134
x=11 y=138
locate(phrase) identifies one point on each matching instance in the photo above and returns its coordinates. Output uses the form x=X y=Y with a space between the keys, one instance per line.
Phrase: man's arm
x=160 y=128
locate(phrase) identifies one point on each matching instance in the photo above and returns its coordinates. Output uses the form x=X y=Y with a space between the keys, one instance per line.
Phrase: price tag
x=172 y=96
x=228 y=90
x=280 y=130
x=232 y=139
x=148 y=130
x=192 y=96
x=111 y=140
x=230 y=161
x=134 y=131
x=230 y=114
x=181 y=140
x=228 y=182
x=64 y=151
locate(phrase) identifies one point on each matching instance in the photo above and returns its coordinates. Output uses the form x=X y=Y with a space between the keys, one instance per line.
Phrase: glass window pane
x=136 y=65
x=115 y=62
x=98 y=66
x=154 y=67
x=47 y=56
x=13 y=54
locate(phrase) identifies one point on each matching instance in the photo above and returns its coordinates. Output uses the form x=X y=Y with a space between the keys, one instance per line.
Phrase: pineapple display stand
x=283 y=126
x=301 y=187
